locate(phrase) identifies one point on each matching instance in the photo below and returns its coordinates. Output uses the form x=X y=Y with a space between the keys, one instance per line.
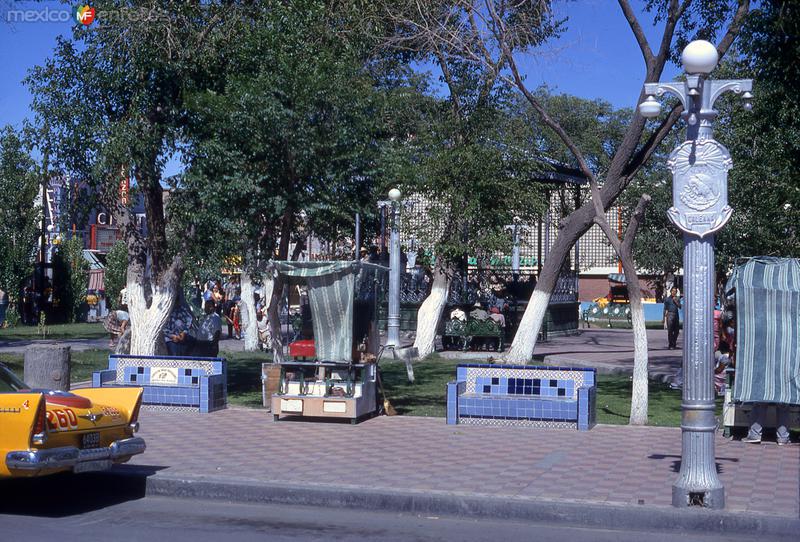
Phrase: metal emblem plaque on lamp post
x=699 y=168
x=699 y=186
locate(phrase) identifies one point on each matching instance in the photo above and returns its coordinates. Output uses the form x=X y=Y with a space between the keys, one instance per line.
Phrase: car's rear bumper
x=43 y=461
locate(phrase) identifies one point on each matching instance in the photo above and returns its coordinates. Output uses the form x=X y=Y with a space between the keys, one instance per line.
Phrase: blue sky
x=596 y=58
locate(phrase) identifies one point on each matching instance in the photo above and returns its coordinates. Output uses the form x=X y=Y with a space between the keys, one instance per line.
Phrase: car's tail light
x=39 y=433
x=134 y=421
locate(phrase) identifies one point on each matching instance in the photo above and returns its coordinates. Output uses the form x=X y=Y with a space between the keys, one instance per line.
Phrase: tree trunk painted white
x=249 y=327
x=430 y=312
x=147 y=322
x=521 y=350
x=639 y=393
x=272 y=295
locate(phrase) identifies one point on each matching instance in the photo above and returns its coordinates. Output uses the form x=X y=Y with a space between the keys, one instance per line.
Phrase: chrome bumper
x=69 y=457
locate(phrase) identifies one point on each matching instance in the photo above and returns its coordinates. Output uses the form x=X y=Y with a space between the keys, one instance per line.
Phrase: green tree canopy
x=291 y=139
x=18 y=230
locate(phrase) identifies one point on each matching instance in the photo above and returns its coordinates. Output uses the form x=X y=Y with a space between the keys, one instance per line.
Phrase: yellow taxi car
x=44 y=432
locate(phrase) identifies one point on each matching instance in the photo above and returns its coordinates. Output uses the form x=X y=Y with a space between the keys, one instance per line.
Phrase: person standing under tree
x=672 y=305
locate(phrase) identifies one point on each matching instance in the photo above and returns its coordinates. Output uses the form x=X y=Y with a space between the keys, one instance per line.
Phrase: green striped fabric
x=331 y=288
x=767 y=330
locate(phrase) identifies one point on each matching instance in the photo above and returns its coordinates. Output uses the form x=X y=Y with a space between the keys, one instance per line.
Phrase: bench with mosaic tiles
x=519 y=395
x=170 y=381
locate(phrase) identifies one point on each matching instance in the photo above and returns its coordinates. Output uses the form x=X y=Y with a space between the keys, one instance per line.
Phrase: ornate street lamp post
x=393 y=318
x=700 y=208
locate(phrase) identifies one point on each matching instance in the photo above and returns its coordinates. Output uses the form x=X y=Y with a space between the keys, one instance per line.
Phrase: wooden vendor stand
x=767 y=345
x=333 y=373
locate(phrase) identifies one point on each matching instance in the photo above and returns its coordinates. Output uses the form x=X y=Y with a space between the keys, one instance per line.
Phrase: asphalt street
x=97 y=507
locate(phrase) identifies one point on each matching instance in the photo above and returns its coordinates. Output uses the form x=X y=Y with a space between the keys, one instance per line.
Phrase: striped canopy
x=331 y=289
x=767 y=330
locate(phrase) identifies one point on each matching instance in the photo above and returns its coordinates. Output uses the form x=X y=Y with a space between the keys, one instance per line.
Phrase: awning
x=97 y=279
x=767 y=330
x=331 y=289
x=91 y=257
x=617 y=277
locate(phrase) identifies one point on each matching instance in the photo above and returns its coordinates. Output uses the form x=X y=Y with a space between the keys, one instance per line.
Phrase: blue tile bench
x=170 y=381
x=522 y=395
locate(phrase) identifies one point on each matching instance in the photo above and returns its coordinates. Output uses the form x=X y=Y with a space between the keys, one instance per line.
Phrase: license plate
x=92 y=466
x=90 y=440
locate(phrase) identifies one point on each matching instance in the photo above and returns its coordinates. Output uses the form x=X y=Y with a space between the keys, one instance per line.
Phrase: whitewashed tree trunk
x=272 y=296
x=624 y=250
x=524 y=342
x=430 y=312
x=639 y=394
x=249 y=327
x=640 y=391
x=147 y=323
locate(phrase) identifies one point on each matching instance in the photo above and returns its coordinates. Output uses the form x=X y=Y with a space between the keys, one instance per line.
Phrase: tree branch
x=520 y=84
x=733 y=29
x=646 y=151
x=638 y=33
x=634 y=223
x=673 y=15
x=448 y=77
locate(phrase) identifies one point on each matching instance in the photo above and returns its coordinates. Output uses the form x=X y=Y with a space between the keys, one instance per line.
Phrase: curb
x=468 y=505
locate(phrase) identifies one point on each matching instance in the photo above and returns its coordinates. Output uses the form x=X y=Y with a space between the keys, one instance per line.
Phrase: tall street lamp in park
x=699 y=209
x=393 y=318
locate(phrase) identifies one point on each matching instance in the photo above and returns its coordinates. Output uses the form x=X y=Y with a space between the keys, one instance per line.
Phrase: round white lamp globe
x=699 y=57
x=394 y=194
x=650 y=108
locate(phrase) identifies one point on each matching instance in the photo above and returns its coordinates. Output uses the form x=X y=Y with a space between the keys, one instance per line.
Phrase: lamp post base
x=685 y=497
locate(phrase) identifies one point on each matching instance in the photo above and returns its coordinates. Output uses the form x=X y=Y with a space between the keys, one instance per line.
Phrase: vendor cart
x=767 y=344
x=332 y=372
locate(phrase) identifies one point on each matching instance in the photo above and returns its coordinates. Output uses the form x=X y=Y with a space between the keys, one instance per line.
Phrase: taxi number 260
x=62 y=419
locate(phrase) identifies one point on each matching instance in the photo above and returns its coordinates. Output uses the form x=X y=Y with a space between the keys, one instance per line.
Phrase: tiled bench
x=177 y=382
x=522 y=395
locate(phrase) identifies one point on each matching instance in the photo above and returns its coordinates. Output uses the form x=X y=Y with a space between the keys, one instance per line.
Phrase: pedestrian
x=264 y=334
x=115 y=323
x=197 y=293
x=497 y=316
x=477 y=312
x=232 y=318
x=177 y=332
x=211 y=325
x=722 y=360
x=672 y=305
x=757 y=419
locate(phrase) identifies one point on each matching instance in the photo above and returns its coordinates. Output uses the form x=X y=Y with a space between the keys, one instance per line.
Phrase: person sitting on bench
x=208 y=332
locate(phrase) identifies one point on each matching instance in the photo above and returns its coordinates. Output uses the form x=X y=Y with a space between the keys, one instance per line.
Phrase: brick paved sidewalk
x=609 y=464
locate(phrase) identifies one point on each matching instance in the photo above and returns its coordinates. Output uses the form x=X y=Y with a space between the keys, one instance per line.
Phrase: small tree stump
x=48 y=367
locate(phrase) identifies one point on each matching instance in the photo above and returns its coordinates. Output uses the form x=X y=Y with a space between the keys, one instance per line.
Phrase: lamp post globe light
x=700 y=208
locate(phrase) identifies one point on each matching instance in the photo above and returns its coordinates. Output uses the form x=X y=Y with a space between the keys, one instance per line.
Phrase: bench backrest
x=163 y=370
x=521 y=381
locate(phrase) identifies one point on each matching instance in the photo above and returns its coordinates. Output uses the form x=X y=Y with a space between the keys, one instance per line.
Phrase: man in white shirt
x=211 y=325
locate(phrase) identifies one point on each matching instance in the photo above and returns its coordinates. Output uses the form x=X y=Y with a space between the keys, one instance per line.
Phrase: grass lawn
x=57 y=331
x=83 y=363
x=244 y=371
x=244 y=377
x=426 y=397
